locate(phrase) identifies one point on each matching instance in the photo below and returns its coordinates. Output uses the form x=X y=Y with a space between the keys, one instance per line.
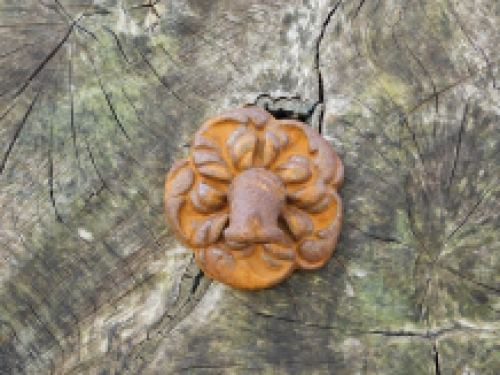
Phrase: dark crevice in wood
x=321 y=100
x=358 y=9
x=282 y=114
x=19 y=129
x=370 y=141
x=416 y=144
x=137 y=359
x=94 y=166
x=436 y=359
x=275 y=106
x=222 y=368
x=162 y=81
x=109 y=103
x=281 y=318
x=431 y=334
x=418 y=61
x=397 y=333
x=321 y=89
x=457 y=147
x=50 y=171
x=72 y=109
x=73 y=21
x=118 y=43
x=94 y=195
x=469 y=214
x=381 y=128
x=42 y=65
x=196 y=281
x=51 y=175
x=444 y=90
x=18 y=26
x=127 y=64
x=411 y=218
x=457 y=273
x=16 y=50
x=426 y=72
x=375 y=236
x=150 y=5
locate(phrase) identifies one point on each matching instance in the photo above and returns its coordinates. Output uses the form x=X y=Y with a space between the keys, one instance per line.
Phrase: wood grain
x=97 y=100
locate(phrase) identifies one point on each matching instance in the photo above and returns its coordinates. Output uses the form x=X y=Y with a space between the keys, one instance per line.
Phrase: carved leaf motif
x=246 y=161
x=217 y=225
x=206 y=198
x=320 y=206
x=279 y=251
x=299 y=159
x=211 y=165
x=339 y=172
x=295 y=170
x=211 y=196
x=258 y=118
x=172 y=208
x=324 y=202
x=271 y=148
x=235 y=135
x=236 y=245
x=269 y=260
x=298 y=222
x=243 y=150
x=314 y=251
x=202 y=142
x=210 y=230
x=282 y=137
x=182 y=182
x=205 y=157
x=216 y=259
x=196 y=202
x=333 y=230
x=217 y=171
x=308 y=196
x=243 y=252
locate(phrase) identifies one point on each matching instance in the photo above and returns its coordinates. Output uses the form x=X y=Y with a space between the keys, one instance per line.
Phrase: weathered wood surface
x=98 y=98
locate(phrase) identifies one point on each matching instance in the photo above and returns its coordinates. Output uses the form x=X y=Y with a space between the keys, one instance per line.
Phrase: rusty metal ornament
x=256 y=199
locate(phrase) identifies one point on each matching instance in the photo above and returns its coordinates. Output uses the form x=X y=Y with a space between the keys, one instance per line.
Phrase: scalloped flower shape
x=256 y=199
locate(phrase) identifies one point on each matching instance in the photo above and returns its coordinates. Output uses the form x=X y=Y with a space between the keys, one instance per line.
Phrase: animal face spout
x=256 y=199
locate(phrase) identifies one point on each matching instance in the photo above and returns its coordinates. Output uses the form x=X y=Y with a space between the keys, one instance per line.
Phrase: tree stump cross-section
x=99 y=98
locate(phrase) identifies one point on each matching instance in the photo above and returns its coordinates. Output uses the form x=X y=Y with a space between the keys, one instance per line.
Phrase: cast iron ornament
x=256 y=199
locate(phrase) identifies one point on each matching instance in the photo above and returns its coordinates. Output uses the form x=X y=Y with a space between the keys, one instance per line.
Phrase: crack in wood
x=189 y=296
x=317 y=67
x=436 y=359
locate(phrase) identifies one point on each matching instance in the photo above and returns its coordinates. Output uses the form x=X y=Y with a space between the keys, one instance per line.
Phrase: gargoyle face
x=257 y=198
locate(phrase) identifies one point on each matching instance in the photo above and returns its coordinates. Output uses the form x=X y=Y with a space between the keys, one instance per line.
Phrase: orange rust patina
x=256 y=199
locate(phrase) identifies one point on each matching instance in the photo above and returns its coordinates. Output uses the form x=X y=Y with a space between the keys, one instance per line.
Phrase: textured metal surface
x=256 y=199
